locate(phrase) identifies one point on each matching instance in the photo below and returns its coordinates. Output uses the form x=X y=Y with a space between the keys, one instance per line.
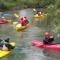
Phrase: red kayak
x=3 y=22
x=41 y=45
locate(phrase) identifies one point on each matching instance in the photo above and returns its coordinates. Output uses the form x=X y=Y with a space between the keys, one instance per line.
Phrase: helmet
x=24 y=18
x=2 y=17
x=46 y=35
x=21 y=18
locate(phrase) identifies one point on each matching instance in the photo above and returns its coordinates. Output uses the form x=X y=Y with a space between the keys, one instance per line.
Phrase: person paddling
x=3 y=20
x=48 y=38
x=4 y=45
x=21 y=21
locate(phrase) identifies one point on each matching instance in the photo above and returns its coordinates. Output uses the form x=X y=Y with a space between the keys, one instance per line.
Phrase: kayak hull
x=41 y=45
x=4 y=22
x=21 y=28
x=5 y=53
x=42 y=16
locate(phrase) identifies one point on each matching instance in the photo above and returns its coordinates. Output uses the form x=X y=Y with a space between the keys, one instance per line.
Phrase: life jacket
x=21 y=22
x=4 y=48
x=2 y=20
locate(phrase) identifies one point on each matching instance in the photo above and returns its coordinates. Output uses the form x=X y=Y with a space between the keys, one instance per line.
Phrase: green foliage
x=53 y=18
x=26 y=3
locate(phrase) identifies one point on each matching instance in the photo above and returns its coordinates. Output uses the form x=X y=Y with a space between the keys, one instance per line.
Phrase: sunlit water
x=24 y=49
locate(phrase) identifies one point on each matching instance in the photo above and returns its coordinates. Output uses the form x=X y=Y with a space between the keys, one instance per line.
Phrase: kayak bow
x=41 y=45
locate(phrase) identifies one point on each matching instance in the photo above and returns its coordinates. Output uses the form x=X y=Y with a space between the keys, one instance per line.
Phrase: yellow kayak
x=5 y=53
x=41 y=16
x=21 y=27
x=17 y=16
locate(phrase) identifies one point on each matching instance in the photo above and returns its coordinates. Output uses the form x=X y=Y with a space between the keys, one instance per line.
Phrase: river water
x=24 y=49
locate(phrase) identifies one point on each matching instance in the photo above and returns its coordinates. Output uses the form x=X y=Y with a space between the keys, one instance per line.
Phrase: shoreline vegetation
x=21 y=4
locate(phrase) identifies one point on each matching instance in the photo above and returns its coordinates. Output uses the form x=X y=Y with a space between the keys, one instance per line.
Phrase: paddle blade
x=15 y=22
x=34 y=9
x=16 y=15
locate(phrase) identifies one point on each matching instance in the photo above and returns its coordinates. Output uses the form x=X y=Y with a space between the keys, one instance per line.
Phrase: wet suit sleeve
x=26 y=21
x=46 y=41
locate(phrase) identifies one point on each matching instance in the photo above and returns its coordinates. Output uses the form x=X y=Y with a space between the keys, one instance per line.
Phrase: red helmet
x=21 y=18
x=46 y=35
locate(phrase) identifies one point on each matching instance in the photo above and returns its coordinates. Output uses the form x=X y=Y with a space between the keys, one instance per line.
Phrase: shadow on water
x=24 y=50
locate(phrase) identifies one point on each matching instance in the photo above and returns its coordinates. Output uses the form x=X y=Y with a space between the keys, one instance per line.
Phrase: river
x=24 y=49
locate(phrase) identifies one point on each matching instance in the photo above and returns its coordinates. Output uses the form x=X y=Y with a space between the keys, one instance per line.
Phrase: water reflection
x=26 y=12
x=54 y=54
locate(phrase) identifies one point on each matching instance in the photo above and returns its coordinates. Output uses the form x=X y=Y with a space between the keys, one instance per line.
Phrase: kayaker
x=21 y=21
x=48 y=39
x=3 y=20
x=4 y=45
x=26 y=20
x=39 y=13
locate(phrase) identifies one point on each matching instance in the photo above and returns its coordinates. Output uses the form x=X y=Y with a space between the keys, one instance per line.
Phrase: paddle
x=17 y=16
x=34 y=10
x=15 y=22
